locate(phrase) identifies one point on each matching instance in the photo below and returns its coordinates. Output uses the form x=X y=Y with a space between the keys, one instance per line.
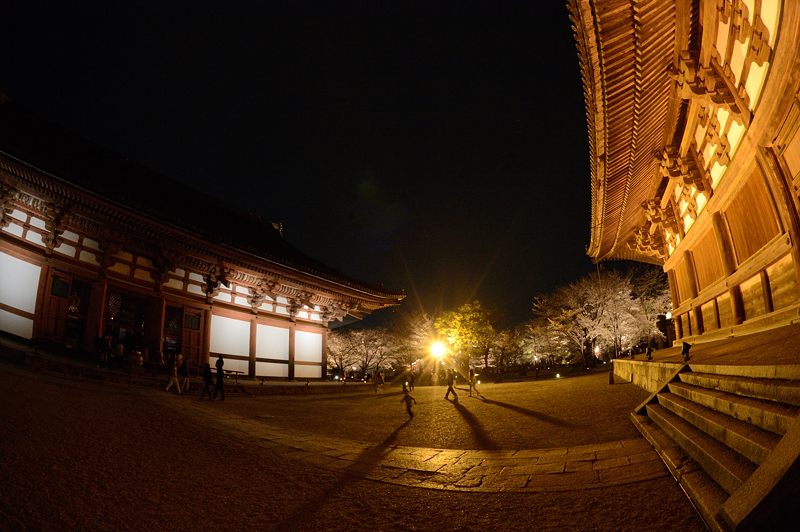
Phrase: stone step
x=779 y=390
x=752 y=442
x=675 y=458
x=769 y=415
x=706 y=496
x=725 y=466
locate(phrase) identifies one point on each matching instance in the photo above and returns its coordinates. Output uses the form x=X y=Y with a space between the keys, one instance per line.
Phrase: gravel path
x=77 y=455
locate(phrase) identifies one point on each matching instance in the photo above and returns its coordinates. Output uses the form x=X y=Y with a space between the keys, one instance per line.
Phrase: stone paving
x=528 y=470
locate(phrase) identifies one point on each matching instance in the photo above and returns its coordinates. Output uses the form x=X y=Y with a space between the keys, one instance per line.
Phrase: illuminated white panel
x=770 y=12
x=281 y=310
x=11 y=323
x=735 y=134
x=34 y=237
x=722 y=118
x=755 y=82
x=701 y=202
x=144 y=275
x=195 y=289
x=19 y=215
x=315 y=316
x=722 y=40
x=13 y=229
x=66 y=249
x=272 y=342
x=682 y=206
x=266 y=306
x=272 y=369
x=124 y=255
x=121 y=268
x=174 y=283
x=241 y=301
x=231 y=364
x=317 y=308
x=303 y=315
x=308 y=372
x=717 y=171
x=243 y=290
x=223 y=296
x=37 y=222
x=19 y=283
x=195 y=277
x=688 y=221
x=307 y=346
x=708 y=152
x=230 y=337
x=69 y=235
x=178 y=272
x=699 y=136
x=282 y=299
x=144 y=261
x=737 y=57
x=88 y=256
x=91 y=244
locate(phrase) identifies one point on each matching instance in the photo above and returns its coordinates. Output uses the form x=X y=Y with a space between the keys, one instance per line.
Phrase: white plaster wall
x=272 y=369
x=19 y=283
x=272 y=342
x=14 y=324
x=307 y=372
x=307 y=346
x=230 y=337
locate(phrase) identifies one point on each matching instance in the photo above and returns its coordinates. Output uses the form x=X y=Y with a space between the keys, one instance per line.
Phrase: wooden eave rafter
x=145 y=234
x=625 y=48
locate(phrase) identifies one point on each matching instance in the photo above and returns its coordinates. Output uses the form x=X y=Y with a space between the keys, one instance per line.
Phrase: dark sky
x=439 y=151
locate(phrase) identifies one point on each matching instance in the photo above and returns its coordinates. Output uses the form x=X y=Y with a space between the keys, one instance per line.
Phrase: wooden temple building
x=693 y=112
x=98 y=254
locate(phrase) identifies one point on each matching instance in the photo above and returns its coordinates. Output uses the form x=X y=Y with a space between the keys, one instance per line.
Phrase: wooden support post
x=292 y=330
x=251 y=365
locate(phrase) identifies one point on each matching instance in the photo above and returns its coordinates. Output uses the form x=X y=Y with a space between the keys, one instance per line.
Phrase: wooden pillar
x=206 y=334
x=251 y=366
x=779 y=180
x=729 y=263
x=39 y=314
x=673 y=289
x=692 y=276
x=324 y=371
x=291 y=352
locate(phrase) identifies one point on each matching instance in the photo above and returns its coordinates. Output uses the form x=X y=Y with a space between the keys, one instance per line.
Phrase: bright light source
x=479 y=382
x=669 y=315
x=558 y=375
x=597 y=350
x=438 y=349
x=336 y=377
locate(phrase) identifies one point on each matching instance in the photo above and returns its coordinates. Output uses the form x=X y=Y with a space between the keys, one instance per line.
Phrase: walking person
x=411 y=379
x=450 y=381
x=220 y=380
x=408 y=400
x=183 y=372
x=173 y=377
x=208 y=381
x=473 y=383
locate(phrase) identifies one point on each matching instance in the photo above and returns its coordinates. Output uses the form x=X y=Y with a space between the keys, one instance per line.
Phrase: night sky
x=439 y=151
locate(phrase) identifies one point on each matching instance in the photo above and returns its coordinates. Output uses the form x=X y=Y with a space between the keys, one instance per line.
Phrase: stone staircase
x=730 y=436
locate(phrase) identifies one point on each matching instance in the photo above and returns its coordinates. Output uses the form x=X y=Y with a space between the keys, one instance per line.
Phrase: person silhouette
x=220 y=380
x=450 y=381
x=408 y=400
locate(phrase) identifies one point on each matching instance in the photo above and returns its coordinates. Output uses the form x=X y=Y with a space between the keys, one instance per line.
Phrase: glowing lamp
x=438 y=349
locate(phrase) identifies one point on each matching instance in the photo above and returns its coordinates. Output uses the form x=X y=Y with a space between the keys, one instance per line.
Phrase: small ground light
x=479 y=382
x=558 y=375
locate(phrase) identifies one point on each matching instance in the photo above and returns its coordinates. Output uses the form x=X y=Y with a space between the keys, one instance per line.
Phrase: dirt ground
x=76 y=455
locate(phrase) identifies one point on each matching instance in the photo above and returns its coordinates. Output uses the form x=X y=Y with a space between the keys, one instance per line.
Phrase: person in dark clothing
x=450 y=381
x=411 y=379
x=473 y=383
x=220 y=380
x=408 y=400
x=183 y=373
x=208 y=381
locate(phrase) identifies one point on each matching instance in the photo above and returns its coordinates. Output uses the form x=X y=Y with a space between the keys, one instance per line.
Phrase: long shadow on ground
x=363 y=465
x=528 y=412
x=483 y=439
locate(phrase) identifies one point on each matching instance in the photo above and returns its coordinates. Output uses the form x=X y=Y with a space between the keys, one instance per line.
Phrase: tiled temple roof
x=625 y=48
x=69 y=158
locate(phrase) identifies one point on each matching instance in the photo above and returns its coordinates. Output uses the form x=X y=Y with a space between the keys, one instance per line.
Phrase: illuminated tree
x=469 y=331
